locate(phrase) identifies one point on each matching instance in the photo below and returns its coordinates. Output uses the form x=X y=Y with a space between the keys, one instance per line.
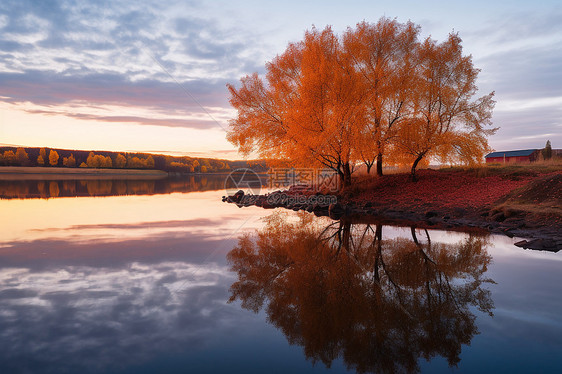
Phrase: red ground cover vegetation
x=439 y=189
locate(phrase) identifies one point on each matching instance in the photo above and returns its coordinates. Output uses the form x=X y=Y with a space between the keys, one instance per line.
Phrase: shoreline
x=47 y=173
x=499 y=209
x=535 y=237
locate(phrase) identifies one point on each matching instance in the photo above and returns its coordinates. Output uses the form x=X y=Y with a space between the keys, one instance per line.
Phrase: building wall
x=509 y=160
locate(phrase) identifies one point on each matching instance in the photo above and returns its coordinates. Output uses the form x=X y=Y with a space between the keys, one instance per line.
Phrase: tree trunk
x=379 y=164
x=341 y=177
x=346 y=174
x=414 y=165
x=369 y=166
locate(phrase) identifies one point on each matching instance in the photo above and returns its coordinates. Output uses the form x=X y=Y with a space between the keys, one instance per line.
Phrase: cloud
x=194 y=244
x=50 y=89
x=175 y=59
x=110 y=98
x=118 y=53
x=525 y=73
x=519 y=54
x=129 y=302
x=512 y=26
x=169 y=122
x=123 y=38
x=528 y=128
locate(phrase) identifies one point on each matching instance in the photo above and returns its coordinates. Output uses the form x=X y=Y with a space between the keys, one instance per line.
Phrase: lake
x=142 y=276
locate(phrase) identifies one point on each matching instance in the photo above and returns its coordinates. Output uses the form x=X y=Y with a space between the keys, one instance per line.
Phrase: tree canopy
x=53 y=158
x=339 y=101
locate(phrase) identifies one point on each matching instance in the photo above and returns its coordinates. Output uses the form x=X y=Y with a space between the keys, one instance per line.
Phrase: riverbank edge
x=534 y=235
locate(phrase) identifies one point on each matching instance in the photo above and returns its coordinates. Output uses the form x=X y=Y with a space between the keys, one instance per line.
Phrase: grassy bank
x=477 y=188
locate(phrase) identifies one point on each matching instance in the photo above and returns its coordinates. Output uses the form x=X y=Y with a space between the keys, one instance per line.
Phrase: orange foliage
x=120 y=161
x=140 y=163
x=335 y=102
x=69 y=162
x=22 y=156
x=54 y=189
x=10 y=158
x=98 y=161
x=309 y=111
x=384 y=54
x=445 y=122
x=53 y=158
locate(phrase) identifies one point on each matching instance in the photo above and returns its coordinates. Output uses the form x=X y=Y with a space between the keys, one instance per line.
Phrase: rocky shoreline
x=539 y=235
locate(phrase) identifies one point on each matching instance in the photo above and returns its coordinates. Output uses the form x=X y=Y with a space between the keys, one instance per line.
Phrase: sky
x=150 y=76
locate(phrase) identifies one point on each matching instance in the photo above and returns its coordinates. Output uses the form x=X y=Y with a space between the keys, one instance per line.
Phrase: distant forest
x=54 y=157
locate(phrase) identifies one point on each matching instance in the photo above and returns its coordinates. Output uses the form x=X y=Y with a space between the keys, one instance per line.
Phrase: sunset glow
x=147 y=77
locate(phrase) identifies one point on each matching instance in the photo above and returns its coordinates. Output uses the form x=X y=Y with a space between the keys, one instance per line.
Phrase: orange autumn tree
x=446 y=122
x=375 y=93
x=120 y=161
x=384 y=55
x=42 y=157
x=10 y=158
x=53 y=158
x=309 y=109
x=69 y=162
x=22 y=156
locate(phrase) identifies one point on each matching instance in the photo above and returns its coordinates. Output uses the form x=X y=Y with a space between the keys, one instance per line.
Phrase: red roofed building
x=520 y=157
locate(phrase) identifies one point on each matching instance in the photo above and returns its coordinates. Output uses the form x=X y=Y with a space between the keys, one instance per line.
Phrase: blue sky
x=151 y=77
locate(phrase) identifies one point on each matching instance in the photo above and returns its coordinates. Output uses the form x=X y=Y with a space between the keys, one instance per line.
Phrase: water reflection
x=341 y=290
x=109 y=306
x=107 y=284
x=33 y=189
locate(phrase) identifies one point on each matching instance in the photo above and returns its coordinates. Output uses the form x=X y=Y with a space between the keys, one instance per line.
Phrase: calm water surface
x=161 y=276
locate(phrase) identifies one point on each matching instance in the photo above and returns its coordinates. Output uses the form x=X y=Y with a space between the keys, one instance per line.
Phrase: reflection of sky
x=525 y=334
x=118 y=217
x=109 y=283
x=140 y=283
x=120 y=314
x=91 y=282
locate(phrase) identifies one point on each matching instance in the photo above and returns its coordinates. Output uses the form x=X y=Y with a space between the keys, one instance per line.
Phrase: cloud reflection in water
x=91 y=317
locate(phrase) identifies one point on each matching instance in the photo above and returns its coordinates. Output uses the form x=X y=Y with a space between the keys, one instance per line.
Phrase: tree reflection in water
x=340 y=290
x=45 y=189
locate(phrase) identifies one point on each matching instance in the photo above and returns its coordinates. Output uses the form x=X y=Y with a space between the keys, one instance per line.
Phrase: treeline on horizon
x=55 y=157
